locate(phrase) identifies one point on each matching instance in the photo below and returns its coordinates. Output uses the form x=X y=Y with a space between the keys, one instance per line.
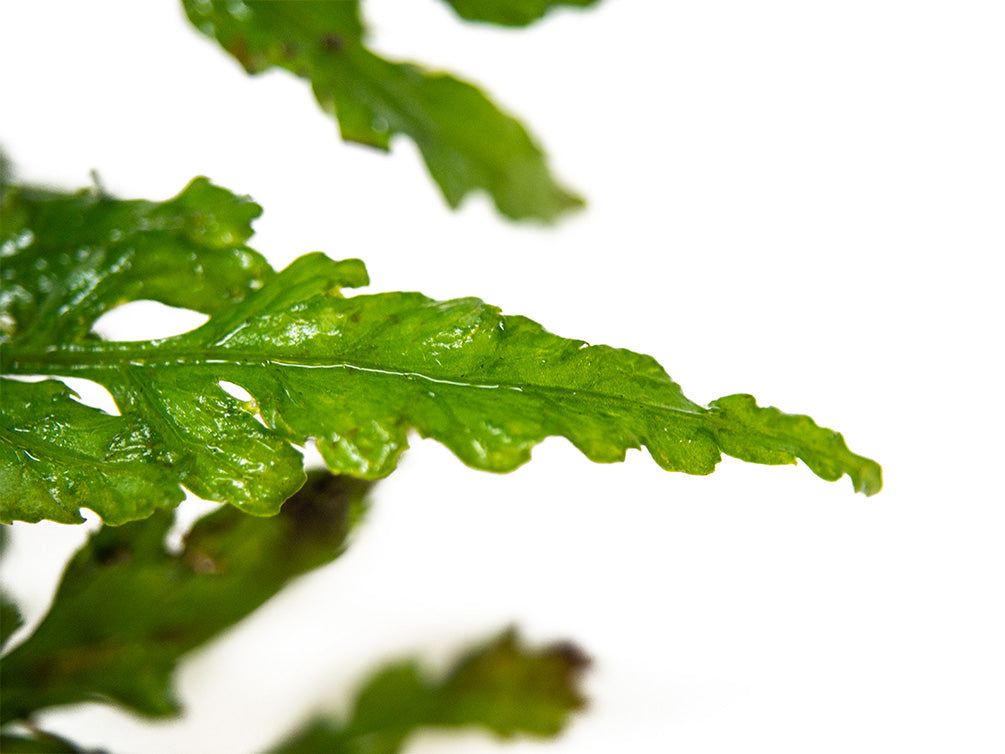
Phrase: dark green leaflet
x=466 y=141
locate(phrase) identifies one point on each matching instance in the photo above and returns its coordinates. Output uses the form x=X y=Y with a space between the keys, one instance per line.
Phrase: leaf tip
x=870 y=480
x=770 y=436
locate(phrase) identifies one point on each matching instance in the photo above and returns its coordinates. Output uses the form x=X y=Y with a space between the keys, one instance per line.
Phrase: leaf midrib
x=105 y=356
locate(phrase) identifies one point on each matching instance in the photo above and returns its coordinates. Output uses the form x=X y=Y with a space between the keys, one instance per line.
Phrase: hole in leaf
x=146 y=320
x=235 y=391
x=92 y=394
x=88 y=393
x=312 y=456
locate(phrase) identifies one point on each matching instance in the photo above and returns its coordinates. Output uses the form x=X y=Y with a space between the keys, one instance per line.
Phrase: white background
x=801 y=200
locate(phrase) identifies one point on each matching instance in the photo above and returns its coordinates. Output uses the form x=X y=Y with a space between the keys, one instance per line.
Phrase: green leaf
x=127 y=609
x=68 y=259
x=355 y=373
x=466 y=141
x=511 y=12
x=57 y=456
x=503 y=687
x=41 y=743
x=10 y=616
x=766 y=435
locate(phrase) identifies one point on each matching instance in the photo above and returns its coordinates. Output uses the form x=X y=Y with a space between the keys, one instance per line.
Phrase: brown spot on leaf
x=238 y=47
x=332 y=42
x=570 y=654
x=200 y=562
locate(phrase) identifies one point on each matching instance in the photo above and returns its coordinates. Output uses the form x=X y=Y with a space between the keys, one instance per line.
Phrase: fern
x=353 y=372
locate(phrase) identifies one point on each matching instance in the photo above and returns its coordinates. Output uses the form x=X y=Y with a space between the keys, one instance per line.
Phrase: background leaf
x=10 y=615
x=503 y=687
x=10 y=619
x=465 y=140
x=127 y=610
x=41 y=743
x=511 y=12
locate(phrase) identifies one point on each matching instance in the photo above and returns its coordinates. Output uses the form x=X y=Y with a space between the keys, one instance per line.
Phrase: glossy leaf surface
x=127 y=610
x=466 y=141
x=503 y=687
x=67 y=259
x=511 y=12
x=57 y=455
x=356 y=373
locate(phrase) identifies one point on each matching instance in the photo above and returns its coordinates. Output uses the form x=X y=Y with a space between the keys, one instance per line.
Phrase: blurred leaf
x=10 y=619
x=511 y=12
x=10 y=616
x=41 y=743
x=127 y=610
x=503 y=687
x=465 y=140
